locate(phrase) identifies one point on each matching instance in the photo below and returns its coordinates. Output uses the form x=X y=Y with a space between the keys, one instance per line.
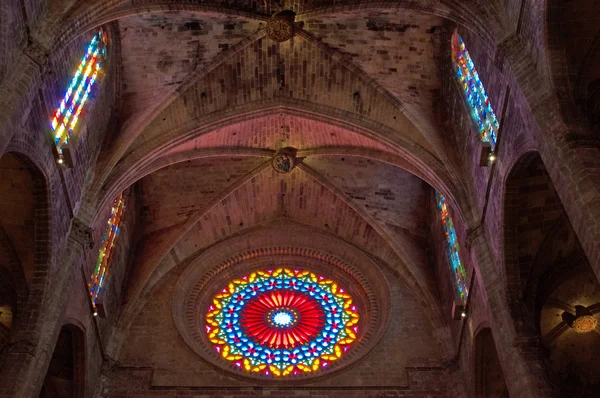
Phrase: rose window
x=282 y=322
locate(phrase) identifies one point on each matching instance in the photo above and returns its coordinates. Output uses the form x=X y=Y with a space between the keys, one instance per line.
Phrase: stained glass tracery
x=282 y=322
x=69 y=110
x=480 y=107
x=106 y=250
x=458 y=269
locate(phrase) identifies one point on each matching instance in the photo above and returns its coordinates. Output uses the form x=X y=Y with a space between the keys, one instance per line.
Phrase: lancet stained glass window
x=69 y=110
x=480 y=107
x=458 y=269
x=282 y=322
x=106 y=250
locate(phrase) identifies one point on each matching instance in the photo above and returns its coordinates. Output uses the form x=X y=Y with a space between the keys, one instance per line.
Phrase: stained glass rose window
x=282 y=322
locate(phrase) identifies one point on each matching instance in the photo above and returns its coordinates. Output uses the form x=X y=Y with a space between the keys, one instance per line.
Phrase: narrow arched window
x=106 y=250
x=69 y=110
x=457 y=268
x=477 y=100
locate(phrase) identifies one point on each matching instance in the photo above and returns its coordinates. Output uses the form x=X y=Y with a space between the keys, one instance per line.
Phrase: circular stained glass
x=282 y=322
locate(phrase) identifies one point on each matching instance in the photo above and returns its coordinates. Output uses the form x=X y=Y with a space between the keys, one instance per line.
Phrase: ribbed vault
x=165 y=93
x=199 y=122
x=372 y=205
x=250 y=135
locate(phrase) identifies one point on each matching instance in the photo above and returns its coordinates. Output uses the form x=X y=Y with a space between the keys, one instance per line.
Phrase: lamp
x=582 y=322
x=459 y=310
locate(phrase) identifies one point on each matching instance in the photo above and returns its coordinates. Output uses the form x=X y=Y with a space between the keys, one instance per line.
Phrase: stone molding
x=200 y=281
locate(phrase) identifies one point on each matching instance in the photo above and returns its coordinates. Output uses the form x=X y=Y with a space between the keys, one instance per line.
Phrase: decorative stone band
x=198 y=285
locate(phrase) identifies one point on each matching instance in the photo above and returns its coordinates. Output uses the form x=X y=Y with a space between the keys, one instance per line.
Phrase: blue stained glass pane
x=458 y=269
x=475 y=95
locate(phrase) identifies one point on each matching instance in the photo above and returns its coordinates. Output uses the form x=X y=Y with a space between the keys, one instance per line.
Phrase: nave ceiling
x=201 y=120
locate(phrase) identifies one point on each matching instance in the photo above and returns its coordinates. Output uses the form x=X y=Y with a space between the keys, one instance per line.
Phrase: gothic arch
x=548 y=276
x=66 y=374
x=265 y=235
x=512 y=267
x=25 y=230
x=405 y=154
x=489 y=379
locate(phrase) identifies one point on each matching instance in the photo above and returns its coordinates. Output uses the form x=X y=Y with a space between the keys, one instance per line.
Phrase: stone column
x=571 y=153
x=21 y=90
x=572 y=158
x=25 y=364
x=520 y=356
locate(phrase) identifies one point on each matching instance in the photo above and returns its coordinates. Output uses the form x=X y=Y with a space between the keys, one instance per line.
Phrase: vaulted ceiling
x=207 y=97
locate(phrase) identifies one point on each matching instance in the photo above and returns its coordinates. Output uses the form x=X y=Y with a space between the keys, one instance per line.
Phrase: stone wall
x=136 y=382
x=520 y=63
x=29 y=97
x=78 y=312
x=407 y=359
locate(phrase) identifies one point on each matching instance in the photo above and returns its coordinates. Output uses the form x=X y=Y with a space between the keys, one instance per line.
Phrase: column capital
x=37 y=53
x=510 y=43
x=81 y=233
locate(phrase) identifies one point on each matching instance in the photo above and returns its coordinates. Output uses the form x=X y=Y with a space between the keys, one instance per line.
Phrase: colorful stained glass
x=478 y=101
x=69 y=110
x=282 y=322
x=458 y=269
x=106 y=250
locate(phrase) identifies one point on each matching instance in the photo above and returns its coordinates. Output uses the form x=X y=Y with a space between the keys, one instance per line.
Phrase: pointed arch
x=489 y=379
x=69 y=111
x=422 y=163
x=24 y=230
x=66 y=372
x=106 y=249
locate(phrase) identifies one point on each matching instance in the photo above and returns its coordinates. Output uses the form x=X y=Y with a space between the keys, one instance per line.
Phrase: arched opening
x=66 y=372
x=551 y=287
x=489 y=379
x=23 y=221
x=17 y=208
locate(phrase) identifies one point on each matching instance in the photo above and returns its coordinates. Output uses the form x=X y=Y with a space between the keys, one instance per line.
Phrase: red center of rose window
x=282 y=318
